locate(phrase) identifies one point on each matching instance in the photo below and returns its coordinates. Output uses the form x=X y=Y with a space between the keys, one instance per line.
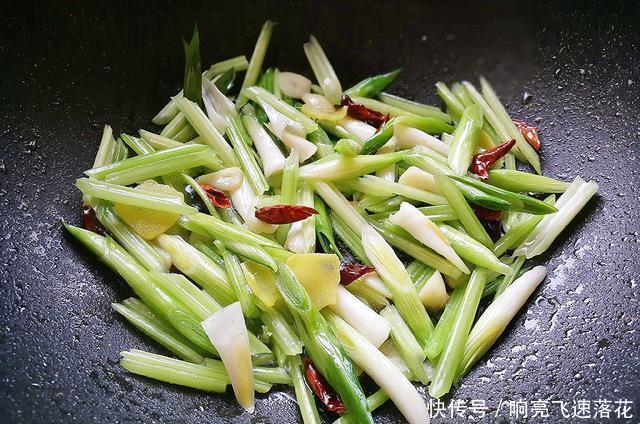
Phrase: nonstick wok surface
x=67 y=68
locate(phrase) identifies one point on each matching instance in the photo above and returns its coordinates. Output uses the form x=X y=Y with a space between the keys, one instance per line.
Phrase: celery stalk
x=452 y=354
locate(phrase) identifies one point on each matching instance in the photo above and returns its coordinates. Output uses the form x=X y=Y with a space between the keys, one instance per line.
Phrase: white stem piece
x=434 y=292
x=361 y=130
x=228 y=333
x=245 y=201
x=226 y=179
x=270 y=155
x=301 y=237
x=410 y=137
x=381 y=370
x=362 y=318
x=426 y=232
x=569 y=205
x=293 y=85
x=420 y=179
x=388 y=173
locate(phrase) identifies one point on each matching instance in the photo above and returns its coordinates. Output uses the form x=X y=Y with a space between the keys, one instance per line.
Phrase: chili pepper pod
x=482 y=161
x=284 y=214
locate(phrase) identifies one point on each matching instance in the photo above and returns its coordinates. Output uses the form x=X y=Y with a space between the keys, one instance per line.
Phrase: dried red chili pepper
x=284 y=214
x=529 y=132
x=352 y=271
x=361 y=112
x=217 y=197
x=321 y=388
x=90 y=221
x=486 y=214
x=482 y=161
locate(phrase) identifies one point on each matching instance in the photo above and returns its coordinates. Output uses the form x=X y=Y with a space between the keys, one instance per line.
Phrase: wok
x=69 y=67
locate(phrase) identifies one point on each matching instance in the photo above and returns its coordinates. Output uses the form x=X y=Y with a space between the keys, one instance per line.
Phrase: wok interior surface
x=70 y=67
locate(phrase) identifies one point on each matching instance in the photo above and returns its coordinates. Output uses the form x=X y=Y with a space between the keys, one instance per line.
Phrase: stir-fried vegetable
x=302 y=234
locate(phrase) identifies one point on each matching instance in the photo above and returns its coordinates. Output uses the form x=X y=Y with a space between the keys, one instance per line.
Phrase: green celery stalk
x=175 y=125
x=508 y=279
x=241 y=143
x=399 y=238
x=322 y=345
x=304 y=395
x=462 y=210
x=412 y=353
x=476 y=196
x=569 y=205
x=238 y=282
x=377 y=186
x=139 y=248
x=189 y=294
x=282 y=334
x=135 y=197
x=519 y=231
x=371 y=203
x=427 y=161
x=157 y=142
x=340 y=206
x=419 y=273
x=120 y=152
x=464 y=141
x=518 y=202
x=173 y=371
x=139 y=144
x=381 y=370
x=207 y=132
x=372 y=86
x=501 y=116
x=438 y=213
x=347 y=147
x=455 y=107
x=341 y=167
x=106 y=148
x=439 y=336
x=163 y=162
x=324 y=230
x=497 y=316
x=473 y=251
x=238 y=63
x=462 y=95
x=198 y=267
x=216 y=228
x=518 y=181
x=381 y=107
x=272 y=375
x=258 y=93
x=288 y=190
x=396 y=278
x=414 y=107
x=111 y=253
x=255 y=63
x=452 y=354
x=349 y=238
x=177 y=345
x=324 y=72
x=199 y=302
